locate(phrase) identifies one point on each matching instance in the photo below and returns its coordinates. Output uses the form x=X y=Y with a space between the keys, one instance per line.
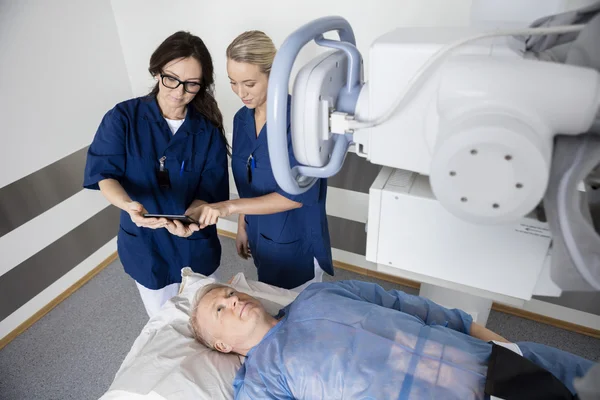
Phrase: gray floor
x=75 y=350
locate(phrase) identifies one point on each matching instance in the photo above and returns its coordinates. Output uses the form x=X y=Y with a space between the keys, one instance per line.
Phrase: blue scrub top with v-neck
x=284 y=245
x=130 y=140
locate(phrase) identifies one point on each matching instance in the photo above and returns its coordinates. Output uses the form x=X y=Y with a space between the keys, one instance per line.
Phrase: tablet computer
x=184 y=219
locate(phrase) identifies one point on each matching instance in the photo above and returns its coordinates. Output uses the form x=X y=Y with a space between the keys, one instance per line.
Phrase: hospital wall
x=61 y=69
x=143 y=24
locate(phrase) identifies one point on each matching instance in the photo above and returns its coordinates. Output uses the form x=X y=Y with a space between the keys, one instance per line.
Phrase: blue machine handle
x=299 y=179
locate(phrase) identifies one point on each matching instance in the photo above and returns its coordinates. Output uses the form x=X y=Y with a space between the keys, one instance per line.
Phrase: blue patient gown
x=347 y=340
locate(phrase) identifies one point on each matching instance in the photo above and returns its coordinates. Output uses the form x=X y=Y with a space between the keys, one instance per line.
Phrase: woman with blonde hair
x=288 y=235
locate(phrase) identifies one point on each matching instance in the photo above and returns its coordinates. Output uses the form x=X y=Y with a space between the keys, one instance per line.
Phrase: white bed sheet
x=165 y=362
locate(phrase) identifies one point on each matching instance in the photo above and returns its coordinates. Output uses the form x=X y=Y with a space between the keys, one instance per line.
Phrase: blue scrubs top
x=132 y=137
x=284 y=245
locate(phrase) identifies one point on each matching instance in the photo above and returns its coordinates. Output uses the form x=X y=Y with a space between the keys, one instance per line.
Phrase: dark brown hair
x=183 y=45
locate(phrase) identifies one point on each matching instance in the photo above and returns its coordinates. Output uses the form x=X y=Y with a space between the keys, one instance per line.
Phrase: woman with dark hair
x=164 y=153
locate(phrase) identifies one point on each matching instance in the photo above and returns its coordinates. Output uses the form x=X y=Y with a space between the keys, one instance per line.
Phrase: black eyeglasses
x=173 y=83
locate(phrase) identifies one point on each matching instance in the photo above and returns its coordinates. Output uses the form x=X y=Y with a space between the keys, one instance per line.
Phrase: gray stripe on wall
x=36 y=193
x=357 y=174
x=583 y=301
x=347 y=235
x=32 y=276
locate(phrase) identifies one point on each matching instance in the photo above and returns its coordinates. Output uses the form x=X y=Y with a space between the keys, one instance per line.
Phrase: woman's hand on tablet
x=136 y=211
x=178 y=229
x=209 y=214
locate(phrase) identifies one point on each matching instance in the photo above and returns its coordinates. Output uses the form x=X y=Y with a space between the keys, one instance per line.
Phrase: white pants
x=154 y=299
x=318 y=278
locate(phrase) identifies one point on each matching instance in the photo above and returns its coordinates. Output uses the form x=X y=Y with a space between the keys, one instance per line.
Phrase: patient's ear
x=222 y=347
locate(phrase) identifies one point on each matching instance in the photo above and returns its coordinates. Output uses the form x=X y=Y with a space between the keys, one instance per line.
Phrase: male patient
x=354 y=340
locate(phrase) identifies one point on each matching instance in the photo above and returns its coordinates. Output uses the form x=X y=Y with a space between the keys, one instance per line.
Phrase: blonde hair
x=253 y=47
x=200 y=334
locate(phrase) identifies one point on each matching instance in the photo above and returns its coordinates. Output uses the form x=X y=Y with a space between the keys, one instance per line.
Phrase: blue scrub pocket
x=286 y=265
x=134 y=253
x=186 y=177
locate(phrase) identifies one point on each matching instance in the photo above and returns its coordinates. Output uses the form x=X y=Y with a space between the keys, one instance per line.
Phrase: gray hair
x=200 y=334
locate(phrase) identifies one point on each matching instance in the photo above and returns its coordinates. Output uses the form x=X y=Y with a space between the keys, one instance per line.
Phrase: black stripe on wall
x=583 y=301
x=357 y=174
x=38 y=192
x=32 y=276
x=347 y=235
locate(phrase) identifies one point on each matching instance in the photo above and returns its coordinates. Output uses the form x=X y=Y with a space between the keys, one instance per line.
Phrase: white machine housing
x=411 y=235
x=466 y=156
x=485 y=143
x=466 y=161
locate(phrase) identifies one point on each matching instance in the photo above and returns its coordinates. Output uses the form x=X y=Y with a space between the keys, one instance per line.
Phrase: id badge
x=162 y=175
x=163 y=179
x=248 y=174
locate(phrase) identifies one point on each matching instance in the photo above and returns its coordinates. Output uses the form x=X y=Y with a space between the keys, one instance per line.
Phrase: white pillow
x=272 y=297
x=166 y=361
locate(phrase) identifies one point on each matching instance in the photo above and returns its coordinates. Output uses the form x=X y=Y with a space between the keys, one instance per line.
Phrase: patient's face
x=232 y=318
